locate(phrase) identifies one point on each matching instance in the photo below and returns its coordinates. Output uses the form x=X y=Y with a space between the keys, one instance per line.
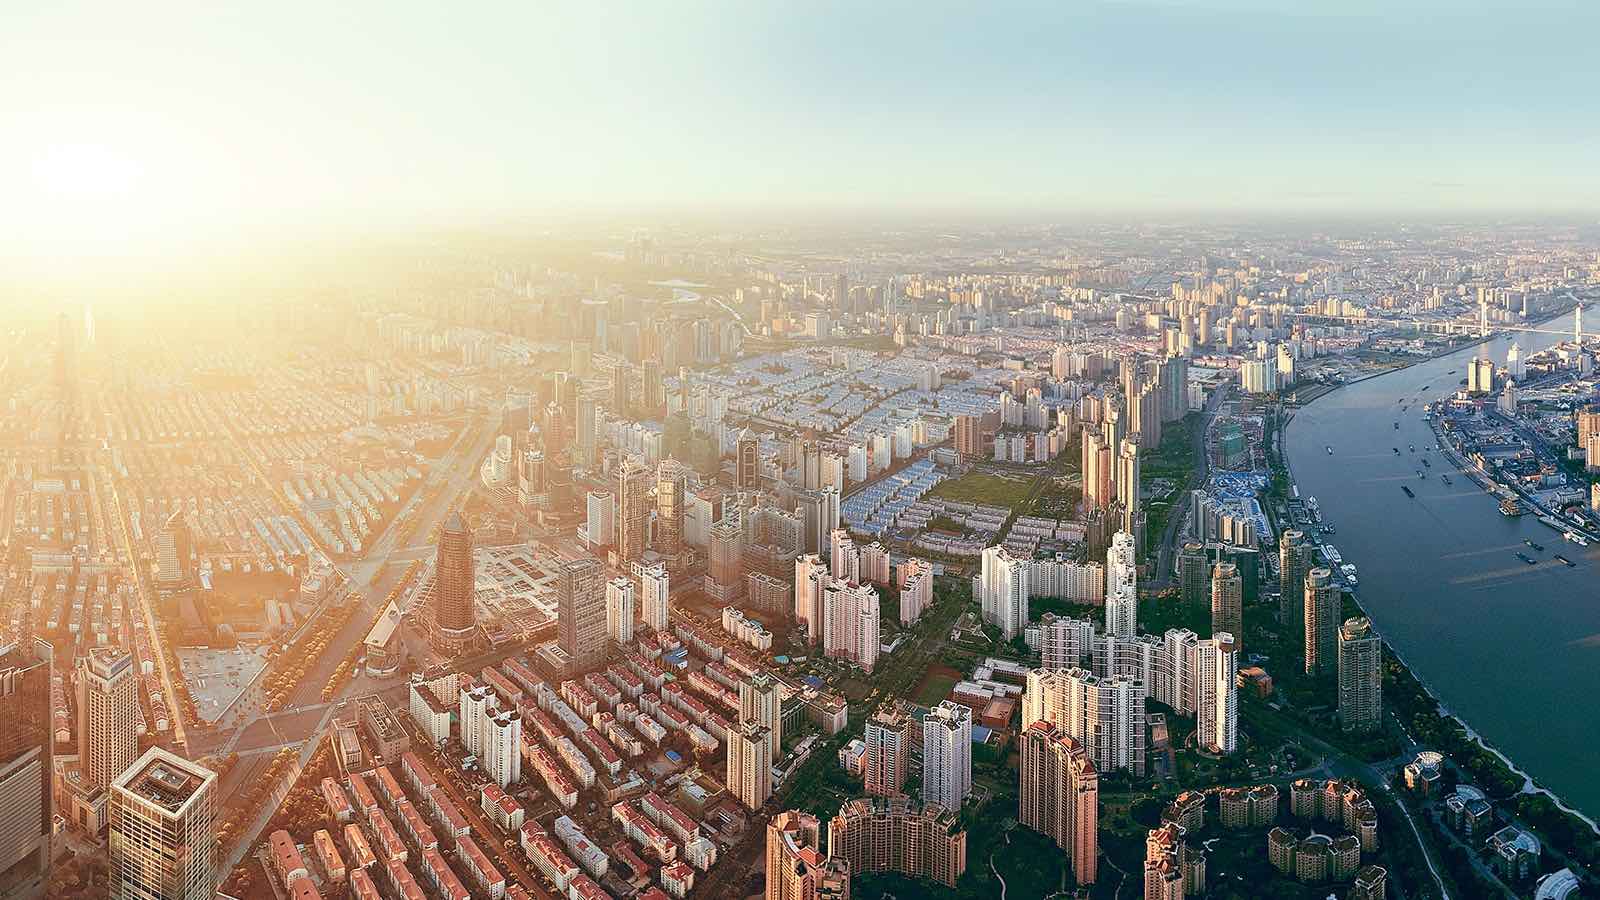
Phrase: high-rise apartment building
x=750 y=764
x=173 y=545
x=947 y=755
x=475 y=706
x=631 y=487
x=797 y=869
x=1216 y=694
x=850 y=624
x=1322 y=602
x=502 y=747
x=1104 y=714
x=1360 y=675
x=761 y=702
x=1227 y=599
x=1003 y=591
x=455 y=612
x=1099 y=470
x=619 y=611
x=1128 y=483
x=1194 y=574
x=1059 y=795
x=163 y=843
x=1122 y=586
x=581 y=610
x=26 y=811
x=109 y=720
x=918 y=840
x=655 y=591
x=725 y=561
x=810 y=581
x=1294 y=561
x=969 y=436
x=888 y=754
x=619 y=391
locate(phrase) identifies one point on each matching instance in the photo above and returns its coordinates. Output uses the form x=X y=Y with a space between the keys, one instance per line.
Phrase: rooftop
x=165 y=779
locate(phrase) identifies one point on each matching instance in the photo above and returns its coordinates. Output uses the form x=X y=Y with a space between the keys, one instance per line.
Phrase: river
x=1512 y=649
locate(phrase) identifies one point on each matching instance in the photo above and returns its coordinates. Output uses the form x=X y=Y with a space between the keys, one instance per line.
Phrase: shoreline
x=1530 y=785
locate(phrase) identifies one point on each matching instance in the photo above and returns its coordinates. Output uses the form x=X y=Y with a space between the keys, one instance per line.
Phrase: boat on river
x=1530 y=543
x=1408 y=492
x=1576 y=538
x=1563 y=559
x=1525 y=558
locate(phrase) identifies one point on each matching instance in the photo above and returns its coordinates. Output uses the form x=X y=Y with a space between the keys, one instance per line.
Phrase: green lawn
x=936 y=688
x=990 y=490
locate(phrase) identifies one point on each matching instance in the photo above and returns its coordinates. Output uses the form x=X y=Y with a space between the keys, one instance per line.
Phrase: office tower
x=888 y=754
x=26 y=811
x=850 y=626
x=619 y=391
x=1294 y=560
x=969 y=437
x=725 y=563
x=1122 y=587
x=455 y=611
x=652 y=397
x=632 y=489
x=1227 y=599
x=601 y=521
x=747 y=461
x=669 y=511
x=1321 y=622
x=918 y=840
x=1105 y=715
x=583 y=442
x=619 y=611
x=1003 y=586
x=841 y=293
x=581 y=611
x=1194 y=574
x=761 y=702
x=797 y=869
x=656 y=592
x=1360 y=676
x=109 y=720
x=173 y=545
x=1216 y=695
x=163 y=841
x=1059 y=795
x=947 y=755
x=810 y=580
x=750 y=764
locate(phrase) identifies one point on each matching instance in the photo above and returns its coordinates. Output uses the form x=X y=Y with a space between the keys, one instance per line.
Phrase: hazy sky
x=121 y=122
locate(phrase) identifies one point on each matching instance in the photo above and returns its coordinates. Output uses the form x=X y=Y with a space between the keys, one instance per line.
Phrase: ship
x=1426 y=463
x=1530 y=543
x=1576 y=538
x=1332 y=553
x=1563 y=559
x=1413 y=447
x=1525 y=557
x=1446 y=479
x=1396 y=451
x=1314 y=508
x=1511 y=506
x=1397 y=426
x=1330 y=451
x=1408 y=491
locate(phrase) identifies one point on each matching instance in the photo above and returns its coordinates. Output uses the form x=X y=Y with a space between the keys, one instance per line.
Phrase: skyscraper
x=797 y=869
x=632 y=490
x=747 y=461
x=850 y=626
x=1059 y=795
x=1216 y=694
x=455 y=612
x=1321 y=622
x=810 y=580
x=669 y=511
x=1105 y=715
x=164 y=830
x=656 y=596
x=947 y=755
x=888 y=754
x=1122 y=587
x=619 y=611
x=1294 y=560
x=750 y=764
x=969 y=436
x=581 y=610
x=725 y=561
x=1128 y=484
x=1360 y=676
x=502 y=747
x=108 y=716
x=26 y=810
x=761 y=702
x=1227 y=599
x=173 y=546
x=619 y=391
x=1004 y=592
x=1194 y=573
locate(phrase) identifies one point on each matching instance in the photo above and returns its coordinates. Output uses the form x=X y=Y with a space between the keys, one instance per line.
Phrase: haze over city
x=799 y=451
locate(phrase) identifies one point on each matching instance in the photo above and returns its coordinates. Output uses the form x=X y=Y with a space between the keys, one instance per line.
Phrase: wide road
x=1511 y=648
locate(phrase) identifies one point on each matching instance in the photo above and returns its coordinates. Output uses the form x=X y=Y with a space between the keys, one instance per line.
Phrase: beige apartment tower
x=1360 y=676
x=1321 y=621
x=164 y=830
x=1227 y=600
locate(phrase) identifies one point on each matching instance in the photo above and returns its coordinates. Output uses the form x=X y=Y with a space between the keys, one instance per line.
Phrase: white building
x=1217 y=696
x=502 y=747
x=1122 y=587
x=655 y=587
x=619 y=611
x=947 y=754
x=850 y=623
x=1003 y=591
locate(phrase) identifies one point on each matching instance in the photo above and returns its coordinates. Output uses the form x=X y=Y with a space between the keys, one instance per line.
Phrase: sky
x=126 y=126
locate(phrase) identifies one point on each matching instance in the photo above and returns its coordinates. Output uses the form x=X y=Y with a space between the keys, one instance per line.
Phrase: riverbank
x=1529 y=786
